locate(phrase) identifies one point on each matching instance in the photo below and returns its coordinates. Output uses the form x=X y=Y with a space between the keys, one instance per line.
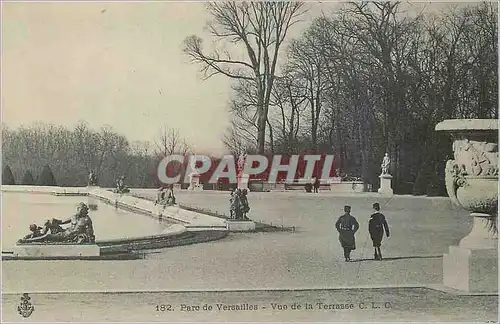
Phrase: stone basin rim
x=467 y=124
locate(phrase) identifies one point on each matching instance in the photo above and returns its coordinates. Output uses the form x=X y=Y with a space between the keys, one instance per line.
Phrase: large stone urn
x=472 y=183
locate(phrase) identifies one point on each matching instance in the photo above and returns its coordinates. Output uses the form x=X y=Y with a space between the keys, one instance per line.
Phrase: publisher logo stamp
x=25 y=309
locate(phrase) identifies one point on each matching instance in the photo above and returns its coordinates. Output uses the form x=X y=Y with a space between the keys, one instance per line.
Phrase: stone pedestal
x=194 y=182
x=385 y=184
x=56 y=250
x=240 y=226
x=472 y=266
x=243 y=181
x=471 y=270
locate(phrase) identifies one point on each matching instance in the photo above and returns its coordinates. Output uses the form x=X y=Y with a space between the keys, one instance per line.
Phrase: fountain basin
x=119 y=230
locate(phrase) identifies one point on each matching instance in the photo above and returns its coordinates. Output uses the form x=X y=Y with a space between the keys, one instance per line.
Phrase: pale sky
x=119 y=64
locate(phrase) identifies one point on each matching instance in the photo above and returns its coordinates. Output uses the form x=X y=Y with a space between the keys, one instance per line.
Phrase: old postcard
x=249 y=161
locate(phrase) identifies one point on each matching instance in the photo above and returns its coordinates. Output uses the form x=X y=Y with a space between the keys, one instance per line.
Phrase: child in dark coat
x=376 y=227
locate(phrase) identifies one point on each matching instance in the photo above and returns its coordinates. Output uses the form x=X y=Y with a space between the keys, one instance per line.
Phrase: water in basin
x=19 y=210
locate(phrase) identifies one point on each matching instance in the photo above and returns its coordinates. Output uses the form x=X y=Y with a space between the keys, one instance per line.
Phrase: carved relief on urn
x=472 y=176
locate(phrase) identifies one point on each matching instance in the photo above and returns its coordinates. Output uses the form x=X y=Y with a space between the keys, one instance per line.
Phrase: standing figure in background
x=376 y=227
x=245 y=207
x=347 y=226
x=92 y=178
x=119 y=183
x=316 y=185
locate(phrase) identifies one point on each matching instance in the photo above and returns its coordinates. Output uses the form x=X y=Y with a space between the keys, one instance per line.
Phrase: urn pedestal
x=472 y=183
x=385 y=184
x=194 y=182
x=243 y=181
x=240 y=225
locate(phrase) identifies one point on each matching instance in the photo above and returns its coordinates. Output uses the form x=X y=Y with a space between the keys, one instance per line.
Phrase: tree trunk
x=271 y=137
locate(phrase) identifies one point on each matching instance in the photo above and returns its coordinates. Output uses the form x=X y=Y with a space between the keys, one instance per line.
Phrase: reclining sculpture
x=80 y=230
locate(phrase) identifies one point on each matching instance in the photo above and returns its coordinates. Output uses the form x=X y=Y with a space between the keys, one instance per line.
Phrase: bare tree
x=261 y=28
x=234 y=141
x=170 y=142
x=289 y=98
x=71 y=153
x=306 y=58
x=82 y=142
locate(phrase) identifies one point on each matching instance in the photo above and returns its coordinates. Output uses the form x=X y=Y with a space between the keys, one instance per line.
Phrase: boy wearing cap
x=376 y=227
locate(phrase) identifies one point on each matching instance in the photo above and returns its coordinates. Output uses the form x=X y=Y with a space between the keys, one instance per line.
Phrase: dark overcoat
x=347 y=226
x=376 y=226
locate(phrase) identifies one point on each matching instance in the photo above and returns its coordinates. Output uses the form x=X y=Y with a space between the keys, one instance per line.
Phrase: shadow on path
x=402 y=258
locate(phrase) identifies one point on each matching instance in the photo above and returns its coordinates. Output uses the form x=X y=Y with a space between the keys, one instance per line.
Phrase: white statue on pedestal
x=192 y=163
x=241 y=163
x=386 y=163
x=242 y=179
x=385 y=177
